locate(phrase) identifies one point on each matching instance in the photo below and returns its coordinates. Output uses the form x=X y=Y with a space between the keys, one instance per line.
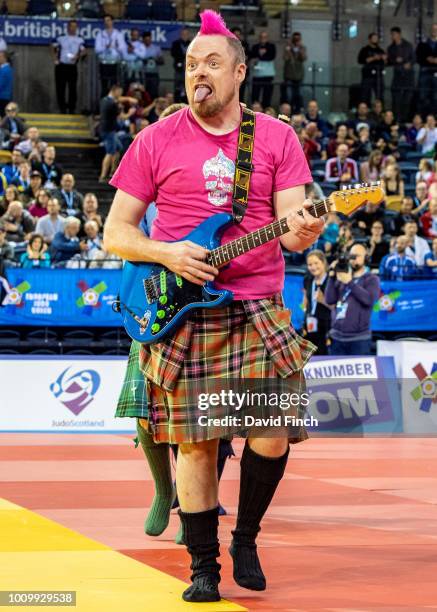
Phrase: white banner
x=416 y=366
x=61 y=394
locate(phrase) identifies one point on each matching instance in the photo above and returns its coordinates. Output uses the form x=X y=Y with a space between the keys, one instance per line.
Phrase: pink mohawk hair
x=212 y=23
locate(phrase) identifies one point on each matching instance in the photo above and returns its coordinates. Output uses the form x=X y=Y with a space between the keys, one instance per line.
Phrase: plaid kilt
x=249 y=339
x=132 y=401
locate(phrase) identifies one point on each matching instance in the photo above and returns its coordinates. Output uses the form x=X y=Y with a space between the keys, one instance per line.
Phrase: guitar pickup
x=150 y=290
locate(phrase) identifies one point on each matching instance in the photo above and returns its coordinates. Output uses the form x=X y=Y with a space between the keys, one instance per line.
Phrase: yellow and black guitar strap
x=243 y=165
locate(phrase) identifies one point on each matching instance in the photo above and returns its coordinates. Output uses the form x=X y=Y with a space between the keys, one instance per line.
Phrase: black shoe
x=247 y=568
x=204 y=588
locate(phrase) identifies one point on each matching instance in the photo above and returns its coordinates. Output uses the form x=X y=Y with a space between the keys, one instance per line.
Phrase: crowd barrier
x=34 y=30
x=353 y=395
x=83 y=298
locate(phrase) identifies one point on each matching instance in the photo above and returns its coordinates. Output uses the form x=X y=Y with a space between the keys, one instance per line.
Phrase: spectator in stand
x=263 y=55
x=371 y=169
x=383 y=128
x=372 y=57
x=365 y=217
x=134 y=55
x=405 y=215
x=362 y=117
x=285 y=109
x=13 y=125
x=50 y=171
x=431 y=259
x=311 y=147
x=38 y=208
x=110 y=48
x=51 y=223
x=426 y=171
x=428 y=220
x=6 y=82
x=427 y=135
x=36 y=255
x=35 y=184
x=11 y=194
x=341 y=169
x=12 y=169
x=178 y=52
x=93 y=239
x=67 y=50
x=399 y=265
x=154 y=110
x=69 y=198
x=6 y=250
x=400 y=55
x=22 y=181
x=417 y=247
x=352 y=293
x=153 y=59
x=363 y=147
x=413 y=130
x=421 y=196
x=19 y=223
x=341 y=137
x=91 y=210
x=313 y=114
x=377 y=113
x=344 y=242
x=33 y=147
x=426 y=54
x=109 y=112
x=317 y=312
x=66 y=244
x=392 y=181
x=295 y=56
x=377 y=245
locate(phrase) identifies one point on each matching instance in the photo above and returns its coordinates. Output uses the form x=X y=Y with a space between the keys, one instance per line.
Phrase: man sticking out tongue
x=252 y=337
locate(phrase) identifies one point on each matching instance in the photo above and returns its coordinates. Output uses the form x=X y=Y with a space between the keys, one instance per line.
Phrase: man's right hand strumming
x=188 y=260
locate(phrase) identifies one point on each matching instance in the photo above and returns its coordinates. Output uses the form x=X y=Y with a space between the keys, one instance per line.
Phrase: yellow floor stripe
x=52 y=115
x=67 y=132
x=40 y=554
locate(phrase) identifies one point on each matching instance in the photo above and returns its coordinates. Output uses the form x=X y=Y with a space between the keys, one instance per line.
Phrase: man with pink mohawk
x=185 y=164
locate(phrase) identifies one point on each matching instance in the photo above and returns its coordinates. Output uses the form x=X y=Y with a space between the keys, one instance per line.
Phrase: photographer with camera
x=353 y=290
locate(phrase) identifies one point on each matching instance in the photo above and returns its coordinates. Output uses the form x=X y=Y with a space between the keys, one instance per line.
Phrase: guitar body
x=155 y=301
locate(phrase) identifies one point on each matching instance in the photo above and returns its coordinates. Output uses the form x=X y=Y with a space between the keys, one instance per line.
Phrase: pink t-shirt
x=189 y=174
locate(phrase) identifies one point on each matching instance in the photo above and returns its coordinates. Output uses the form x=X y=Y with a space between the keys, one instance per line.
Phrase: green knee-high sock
x=158 y=458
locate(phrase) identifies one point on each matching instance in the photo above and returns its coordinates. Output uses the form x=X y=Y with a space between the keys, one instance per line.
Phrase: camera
x=343 y=262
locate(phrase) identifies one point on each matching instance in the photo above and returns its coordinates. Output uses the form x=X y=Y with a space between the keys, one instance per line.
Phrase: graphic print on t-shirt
x=222 y=169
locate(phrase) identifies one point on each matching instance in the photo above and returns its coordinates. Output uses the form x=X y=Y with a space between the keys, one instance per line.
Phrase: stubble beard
x=213 y=107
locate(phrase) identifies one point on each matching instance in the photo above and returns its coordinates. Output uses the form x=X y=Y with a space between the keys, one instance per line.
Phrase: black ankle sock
x=201 y=539
x=260 y=477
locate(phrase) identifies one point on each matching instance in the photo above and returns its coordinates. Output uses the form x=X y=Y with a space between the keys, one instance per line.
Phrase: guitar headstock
x=350 y=198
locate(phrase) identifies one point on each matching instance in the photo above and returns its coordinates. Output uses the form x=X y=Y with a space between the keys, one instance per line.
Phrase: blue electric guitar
x=155 y=301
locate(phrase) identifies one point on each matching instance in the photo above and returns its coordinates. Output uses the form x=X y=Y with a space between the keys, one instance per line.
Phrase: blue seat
x=42 y=336
x=41 y=7
x=9 y=337
x=139 y=9
x=413 y=155
x=78 y=337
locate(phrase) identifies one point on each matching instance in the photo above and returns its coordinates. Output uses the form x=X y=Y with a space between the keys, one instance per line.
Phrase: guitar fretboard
x=226 y=252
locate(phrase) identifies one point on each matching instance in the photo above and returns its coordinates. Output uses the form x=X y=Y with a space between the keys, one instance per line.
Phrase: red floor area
x=353 y=525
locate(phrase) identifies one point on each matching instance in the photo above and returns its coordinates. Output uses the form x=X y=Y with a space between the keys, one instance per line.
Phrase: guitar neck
x=226 y=252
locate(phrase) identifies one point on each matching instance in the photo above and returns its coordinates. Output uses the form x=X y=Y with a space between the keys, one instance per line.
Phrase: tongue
x=201 y=93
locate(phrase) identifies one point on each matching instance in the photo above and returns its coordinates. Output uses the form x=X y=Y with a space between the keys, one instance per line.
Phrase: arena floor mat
x=353 y=527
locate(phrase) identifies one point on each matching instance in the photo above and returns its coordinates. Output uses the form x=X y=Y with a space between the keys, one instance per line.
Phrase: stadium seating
x=41 y=7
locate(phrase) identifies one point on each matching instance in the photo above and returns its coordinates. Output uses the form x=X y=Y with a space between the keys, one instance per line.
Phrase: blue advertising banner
x=61 y=297
x=354 y=395
x=44 y=30
x=84 y=297
x=402 y=306
x=406 y=305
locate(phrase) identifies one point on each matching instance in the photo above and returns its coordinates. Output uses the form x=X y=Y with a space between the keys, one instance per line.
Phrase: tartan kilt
x=247 y=340
x=132 y=401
